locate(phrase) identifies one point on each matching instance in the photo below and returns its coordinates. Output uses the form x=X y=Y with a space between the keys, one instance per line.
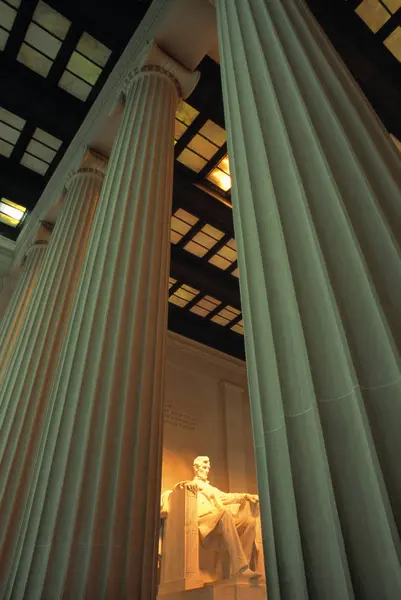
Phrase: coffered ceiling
x=54 y=60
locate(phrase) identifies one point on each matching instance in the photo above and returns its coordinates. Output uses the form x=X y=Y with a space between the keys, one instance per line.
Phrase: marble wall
x=206 y=413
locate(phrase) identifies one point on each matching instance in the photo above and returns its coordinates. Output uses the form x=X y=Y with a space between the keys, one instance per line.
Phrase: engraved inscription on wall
x=179 y=418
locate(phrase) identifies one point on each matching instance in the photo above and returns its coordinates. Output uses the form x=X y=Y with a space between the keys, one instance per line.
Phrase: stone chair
x=185 y=564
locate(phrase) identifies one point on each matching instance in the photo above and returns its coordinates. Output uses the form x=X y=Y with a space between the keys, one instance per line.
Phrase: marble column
x=91 y=520
x=28 y=380
x=8 y=282
x=316 y=194
x=26 y=278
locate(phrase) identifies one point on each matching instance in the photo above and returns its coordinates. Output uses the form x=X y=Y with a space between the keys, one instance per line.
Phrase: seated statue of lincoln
x=218 y=524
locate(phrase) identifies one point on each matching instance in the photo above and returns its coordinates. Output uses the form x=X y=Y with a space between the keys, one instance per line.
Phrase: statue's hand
x=253 y=498
x=191 y=487
x=188 y=485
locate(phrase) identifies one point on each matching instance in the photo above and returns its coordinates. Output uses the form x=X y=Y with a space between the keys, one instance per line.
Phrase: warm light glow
x=221 y=179
x=393 y=5
x=11 y=213
x=393 y=43
x=186 y=113
x=373 y=14
x=220 y=175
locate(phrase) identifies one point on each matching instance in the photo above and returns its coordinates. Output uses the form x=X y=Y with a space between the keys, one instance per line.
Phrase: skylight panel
x=34 y=60
x=203 y=147
x=214 y=133
x=84 y=67
x=95 y=51
x=393 y=43
x=220 y=175
x=226 y=315
x=183 y=295
x=10 y=129
x=225 y=256
x=184 y=116
x=51 y=20
x=11 y=213
x=373 y=14
x=392 y=5
x=7 y=18
x=192 y=160
x=75 y=86
x=43 y=39
x=204 y=240
x=41 y=151
x=7 y=15
x=205 y=306
x=239 y=327
x=181 y=223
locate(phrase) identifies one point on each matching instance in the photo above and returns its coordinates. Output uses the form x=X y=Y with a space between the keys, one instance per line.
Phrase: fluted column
x=8 y=282
x=13 y=318
x=316 y=194
x=90 y=526
x=28 y=380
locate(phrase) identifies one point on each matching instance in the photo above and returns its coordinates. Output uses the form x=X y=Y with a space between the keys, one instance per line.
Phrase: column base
x=221 y=591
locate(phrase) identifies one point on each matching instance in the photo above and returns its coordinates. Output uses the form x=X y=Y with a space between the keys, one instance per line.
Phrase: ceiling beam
x=36 y=100
x=199 y=203
x=205 y=332
x=203 y=276
x=19 y=184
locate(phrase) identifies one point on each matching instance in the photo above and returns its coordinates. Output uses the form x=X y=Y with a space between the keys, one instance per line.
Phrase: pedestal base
x=222 y=591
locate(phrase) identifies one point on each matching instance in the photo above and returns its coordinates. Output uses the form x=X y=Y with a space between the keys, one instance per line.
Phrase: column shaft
x=29 y=378
x=316 y=188
x=91 y=528
x=13 y=319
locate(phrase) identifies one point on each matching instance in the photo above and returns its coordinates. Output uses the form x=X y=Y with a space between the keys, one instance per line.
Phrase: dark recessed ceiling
x=204 y=291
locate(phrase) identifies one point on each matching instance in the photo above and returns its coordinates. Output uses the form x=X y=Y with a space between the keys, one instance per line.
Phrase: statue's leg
x=227 y=528
x=246 y=528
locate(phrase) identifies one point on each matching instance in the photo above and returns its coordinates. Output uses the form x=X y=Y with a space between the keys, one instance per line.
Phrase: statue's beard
x=202 y=475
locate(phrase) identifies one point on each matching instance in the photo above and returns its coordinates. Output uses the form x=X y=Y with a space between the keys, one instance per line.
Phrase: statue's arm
x=238 y=498
x=190 y=485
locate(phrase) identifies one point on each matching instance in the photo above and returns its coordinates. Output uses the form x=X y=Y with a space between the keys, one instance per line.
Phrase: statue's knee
x=251 y=522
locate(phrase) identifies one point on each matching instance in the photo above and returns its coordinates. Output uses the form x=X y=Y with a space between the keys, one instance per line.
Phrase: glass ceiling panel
x=203 y=147
x=373 y=14
x=34 y=60
x=393 y=5
x=206 y=307
x=186 y=113
x=393 y=43
x=7 y=16
x=11 y=213
x=3 y=38
x=43 y=41
x=93 y=49
x=51 y=20
x=11 y=119
x=214 y=133
x=191 y=160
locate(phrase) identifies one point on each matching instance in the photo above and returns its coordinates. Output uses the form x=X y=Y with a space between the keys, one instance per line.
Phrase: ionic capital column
x=25 y=391
x=317 y=212
x=91 y=528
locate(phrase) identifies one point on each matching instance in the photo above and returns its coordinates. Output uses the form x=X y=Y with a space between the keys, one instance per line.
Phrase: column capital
x=156 y=61
x=92 y=162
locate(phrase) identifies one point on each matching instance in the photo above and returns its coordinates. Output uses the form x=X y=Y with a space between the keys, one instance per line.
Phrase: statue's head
x=201 y=466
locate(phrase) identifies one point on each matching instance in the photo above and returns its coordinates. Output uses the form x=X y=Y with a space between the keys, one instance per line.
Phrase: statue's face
x=202 y=468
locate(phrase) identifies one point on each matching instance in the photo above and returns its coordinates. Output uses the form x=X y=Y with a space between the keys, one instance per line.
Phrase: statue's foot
x=247 y=573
